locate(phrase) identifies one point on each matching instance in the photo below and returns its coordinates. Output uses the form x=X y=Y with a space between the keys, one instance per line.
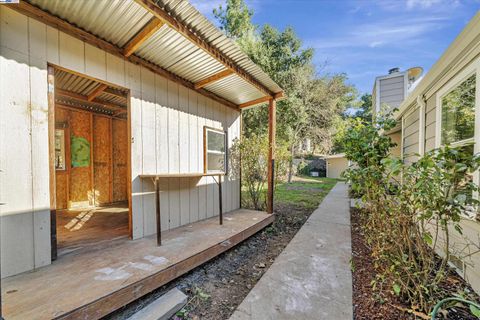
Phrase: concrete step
x=163 y=308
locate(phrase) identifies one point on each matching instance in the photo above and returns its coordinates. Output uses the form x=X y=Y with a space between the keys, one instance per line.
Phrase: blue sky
x=365 y=38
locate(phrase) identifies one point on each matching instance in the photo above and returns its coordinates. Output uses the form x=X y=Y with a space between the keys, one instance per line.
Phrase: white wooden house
x=102 y=101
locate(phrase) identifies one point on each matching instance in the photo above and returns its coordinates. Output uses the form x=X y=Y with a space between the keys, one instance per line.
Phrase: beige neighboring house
x=389 y=91
x=456 y=73
x=336 y=164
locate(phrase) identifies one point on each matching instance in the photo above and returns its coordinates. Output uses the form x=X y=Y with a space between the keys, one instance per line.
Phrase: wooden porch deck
x=92 y=284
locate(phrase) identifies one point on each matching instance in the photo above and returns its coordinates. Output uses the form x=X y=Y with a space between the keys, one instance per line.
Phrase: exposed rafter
x=82 y=98
x=146 y=32
x=163 y=15
x=98 y=91
x=218 y=76
x=36 y=13
x=116 y=93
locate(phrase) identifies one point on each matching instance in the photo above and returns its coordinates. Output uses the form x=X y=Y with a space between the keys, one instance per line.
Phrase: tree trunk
x=290 y=167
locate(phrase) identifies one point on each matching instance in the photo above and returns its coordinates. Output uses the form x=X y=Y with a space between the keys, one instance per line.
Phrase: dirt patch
x=366 y=304
x=216 y=288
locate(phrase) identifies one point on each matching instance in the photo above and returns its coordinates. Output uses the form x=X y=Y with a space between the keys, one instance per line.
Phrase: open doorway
x=91 y=161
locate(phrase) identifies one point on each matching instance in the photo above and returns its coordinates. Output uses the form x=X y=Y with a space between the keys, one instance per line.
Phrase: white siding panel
x=202 y=184
x=174 y=202
x=40 y=156
x=115 y=70
x=173 y=148
x=161 y=98
x=149 y=160
x=53 y=54
x=95 y=62
x=13 y=31
x=136 y=164
x=15 y=152
x=72 y=53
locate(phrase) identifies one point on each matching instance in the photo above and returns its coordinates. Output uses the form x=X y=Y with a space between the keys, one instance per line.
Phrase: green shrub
x=404 y=218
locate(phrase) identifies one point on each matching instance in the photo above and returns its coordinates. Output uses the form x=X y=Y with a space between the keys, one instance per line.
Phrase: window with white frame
x=457 y=120
x=458 y=113
x=215 y=150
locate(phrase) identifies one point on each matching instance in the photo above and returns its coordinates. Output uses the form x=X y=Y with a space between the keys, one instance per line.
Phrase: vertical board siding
x=166 y=119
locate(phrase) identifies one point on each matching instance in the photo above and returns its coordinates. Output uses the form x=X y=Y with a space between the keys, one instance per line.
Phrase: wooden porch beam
x=146 y=32
x=34 y=12
x=272 y=127
x=197 y=40
x=261 y=100
x=254 y=102
x=214 y=78
x=98 y=90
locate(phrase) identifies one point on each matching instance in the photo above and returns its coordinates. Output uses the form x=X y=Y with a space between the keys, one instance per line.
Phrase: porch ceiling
x=185 y=43
x=72 y=90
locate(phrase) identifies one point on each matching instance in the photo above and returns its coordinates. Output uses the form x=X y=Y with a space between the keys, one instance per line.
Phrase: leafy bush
x=249 y=158
x=404 y=219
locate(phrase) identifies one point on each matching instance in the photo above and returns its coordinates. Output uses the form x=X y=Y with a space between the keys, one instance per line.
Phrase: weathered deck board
x=91 y=285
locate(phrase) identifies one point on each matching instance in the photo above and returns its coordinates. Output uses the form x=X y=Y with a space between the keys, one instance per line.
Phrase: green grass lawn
x=304 y=191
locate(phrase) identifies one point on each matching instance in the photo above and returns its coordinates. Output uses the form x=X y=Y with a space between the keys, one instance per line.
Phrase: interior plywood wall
x=102 y=165
x=106 y=181
x=120 y=159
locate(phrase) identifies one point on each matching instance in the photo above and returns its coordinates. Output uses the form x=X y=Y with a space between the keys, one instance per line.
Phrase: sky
x=365 y=38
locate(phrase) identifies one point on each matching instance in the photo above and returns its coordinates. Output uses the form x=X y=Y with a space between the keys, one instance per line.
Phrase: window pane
x=458 y=112
x=216 y=141
x=215 y=162
x=60 y=149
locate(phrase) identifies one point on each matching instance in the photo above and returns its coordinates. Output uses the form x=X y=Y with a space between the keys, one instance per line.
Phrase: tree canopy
x=314 y=102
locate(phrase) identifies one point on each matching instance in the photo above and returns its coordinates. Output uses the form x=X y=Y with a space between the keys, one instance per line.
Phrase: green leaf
x=396 y=289
x=475 y=311
x=427 y=237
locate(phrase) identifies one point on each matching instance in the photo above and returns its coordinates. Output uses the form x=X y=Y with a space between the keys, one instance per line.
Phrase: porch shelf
x=89 y=285
x=180 y=175
x=156 y=181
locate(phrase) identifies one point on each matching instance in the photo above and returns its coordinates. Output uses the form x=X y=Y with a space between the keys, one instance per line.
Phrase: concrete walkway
x=311 y=278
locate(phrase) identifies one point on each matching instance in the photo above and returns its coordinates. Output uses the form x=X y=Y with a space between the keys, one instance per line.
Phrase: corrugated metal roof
x=118 y=21
x=173 y=52
x=237 y=87
x=184 y=12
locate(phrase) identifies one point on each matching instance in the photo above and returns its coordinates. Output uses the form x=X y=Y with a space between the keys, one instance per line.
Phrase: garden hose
x=439 y=304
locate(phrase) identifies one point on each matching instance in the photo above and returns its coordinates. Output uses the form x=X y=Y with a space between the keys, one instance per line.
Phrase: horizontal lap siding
x=392 y=91
x=410 y=136
x=166 y=129
x=430 y=123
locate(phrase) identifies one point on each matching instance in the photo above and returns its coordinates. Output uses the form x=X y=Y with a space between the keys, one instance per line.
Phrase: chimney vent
x=393 y=70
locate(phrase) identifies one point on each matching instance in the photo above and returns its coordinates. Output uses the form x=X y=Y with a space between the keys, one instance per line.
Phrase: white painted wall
x=167 y=137
x=336 y=166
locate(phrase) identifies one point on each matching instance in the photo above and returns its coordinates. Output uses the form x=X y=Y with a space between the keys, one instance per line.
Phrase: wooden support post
x=272 y=119
x=220 y=198
x=157 y=211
